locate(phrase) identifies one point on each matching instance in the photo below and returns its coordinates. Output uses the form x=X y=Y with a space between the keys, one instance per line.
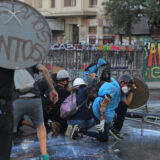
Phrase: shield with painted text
x=25 y=36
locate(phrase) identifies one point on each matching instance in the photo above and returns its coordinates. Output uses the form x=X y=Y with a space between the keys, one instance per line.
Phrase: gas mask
x=125 y=89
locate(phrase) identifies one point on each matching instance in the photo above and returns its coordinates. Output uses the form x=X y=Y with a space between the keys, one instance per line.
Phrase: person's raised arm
x=53 y=93
x=129 y=97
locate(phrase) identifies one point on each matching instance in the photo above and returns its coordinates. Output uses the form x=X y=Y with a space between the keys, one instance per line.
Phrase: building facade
x=76 y=21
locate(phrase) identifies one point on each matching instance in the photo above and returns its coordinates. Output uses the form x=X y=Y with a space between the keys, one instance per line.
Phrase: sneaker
x=115 y=134
x=44 y=157
x=69 y=130
x=56 y=128
x=75 y=131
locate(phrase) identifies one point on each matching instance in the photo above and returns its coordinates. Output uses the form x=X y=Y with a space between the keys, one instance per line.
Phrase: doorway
x=75 y=34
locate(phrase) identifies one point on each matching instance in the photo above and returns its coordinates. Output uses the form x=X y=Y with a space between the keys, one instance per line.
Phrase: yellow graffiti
x=155 y=72
x=153 y=48
x=159 y=53
x=109 y=48
x=101 y=48
x=159 y=48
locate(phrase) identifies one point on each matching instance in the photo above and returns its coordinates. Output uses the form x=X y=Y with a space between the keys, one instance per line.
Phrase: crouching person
x=82 y=118
x=109 y=95
x=56 y=123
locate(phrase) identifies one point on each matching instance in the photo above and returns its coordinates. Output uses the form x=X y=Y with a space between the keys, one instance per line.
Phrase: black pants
x=101 y=136
x=120 y=116
x=6 y=129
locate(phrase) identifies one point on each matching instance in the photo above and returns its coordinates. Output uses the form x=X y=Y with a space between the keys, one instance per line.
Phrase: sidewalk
x=153 y=85
x=154 y=89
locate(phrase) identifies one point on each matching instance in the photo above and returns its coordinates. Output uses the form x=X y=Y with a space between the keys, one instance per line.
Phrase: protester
x=121 y=110
x=57 y=124
x=6 y=113
x=43 y=87
x=109 y=96
x=29 y=103
x=82 y=118
x=93 y=68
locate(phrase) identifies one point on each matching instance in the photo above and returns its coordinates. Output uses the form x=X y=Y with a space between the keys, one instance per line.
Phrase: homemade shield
x=25 y=35
x=141 y=94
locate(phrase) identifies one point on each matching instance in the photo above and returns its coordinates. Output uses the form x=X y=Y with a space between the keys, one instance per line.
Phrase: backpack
x=69 y=106
x=93 y=94
x=93 y=91
x=23 y=80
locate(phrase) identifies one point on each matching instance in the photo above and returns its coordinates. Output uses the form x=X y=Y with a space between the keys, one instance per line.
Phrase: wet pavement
x=133 y=147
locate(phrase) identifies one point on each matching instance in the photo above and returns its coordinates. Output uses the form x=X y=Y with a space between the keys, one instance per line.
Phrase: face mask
x=125 y=89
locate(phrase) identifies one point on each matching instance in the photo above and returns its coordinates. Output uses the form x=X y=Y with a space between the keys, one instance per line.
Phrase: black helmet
x=106 y=70
x=126 y=78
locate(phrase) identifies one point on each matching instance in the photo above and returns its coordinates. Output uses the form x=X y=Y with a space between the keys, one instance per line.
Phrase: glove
x=100 y=127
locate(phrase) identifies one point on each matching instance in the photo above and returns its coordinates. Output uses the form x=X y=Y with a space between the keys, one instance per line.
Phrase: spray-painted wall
x=151 y=68
x=124 y=59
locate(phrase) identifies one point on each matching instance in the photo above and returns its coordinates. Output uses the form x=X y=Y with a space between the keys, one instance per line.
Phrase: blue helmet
x=125 y=78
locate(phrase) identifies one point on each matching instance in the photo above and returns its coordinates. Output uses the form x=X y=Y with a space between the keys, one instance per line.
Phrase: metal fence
x=76 y=61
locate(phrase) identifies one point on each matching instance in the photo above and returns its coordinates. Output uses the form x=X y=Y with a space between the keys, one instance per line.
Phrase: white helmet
x=77 y=82
x=62 y=74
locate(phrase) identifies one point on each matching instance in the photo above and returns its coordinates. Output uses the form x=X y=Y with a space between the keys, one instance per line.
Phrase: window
x=105 y=29
x=52 y=3
x=69 y=3
x=92 y=30
x=108 y=40
x=92 y=39
x=92 y=3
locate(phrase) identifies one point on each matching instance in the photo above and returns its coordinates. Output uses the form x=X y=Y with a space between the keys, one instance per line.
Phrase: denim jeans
x=83 y=124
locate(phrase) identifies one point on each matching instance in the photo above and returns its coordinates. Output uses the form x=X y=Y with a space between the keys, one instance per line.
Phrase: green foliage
x=152 y=10
x=123 y=14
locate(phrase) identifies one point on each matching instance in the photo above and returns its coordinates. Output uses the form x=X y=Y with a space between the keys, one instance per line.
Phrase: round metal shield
x=25 y=36
x=141 y=94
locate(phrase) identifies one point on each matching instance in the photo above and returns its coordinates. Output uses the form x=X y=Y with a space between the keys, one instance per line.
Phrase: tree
x=123 y=13
x=152 y=10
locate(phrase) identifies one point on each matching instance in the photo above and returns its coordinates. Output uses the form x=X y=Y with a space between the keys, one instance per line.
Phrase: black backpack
x=93 y=91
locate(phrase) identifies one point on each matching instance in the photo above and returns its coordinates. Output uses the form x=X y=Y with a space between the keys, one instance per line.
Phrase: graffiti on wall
x=152 y=61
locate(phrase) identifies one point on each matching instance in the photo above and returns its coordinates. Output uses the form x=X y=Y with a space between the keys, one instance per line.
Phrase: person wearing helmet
x=56 y=123
x=127 y=87
x=82 y=118
x=78 y=82
x=109 y=96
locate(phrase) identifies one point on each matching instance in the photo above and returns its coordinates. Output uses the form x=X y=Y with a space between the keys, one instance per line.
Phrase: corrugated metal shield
x=141 y=94
x=25 y=36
